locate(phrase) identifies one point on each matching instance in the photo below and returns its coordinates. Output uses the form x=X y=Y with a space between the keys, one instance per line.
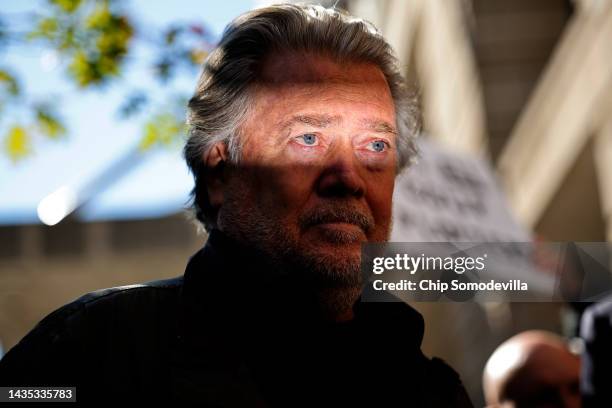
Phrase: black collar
x=221 y=280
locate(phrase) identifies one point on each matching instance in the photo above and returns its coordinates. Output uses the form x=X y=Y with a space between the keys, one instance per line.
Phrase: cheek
x=283 y=190
x=380 y=196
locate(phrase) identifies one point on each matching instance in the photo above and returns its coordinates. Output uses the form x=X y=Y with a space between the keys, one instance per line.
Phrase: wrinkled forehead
x=288 y=68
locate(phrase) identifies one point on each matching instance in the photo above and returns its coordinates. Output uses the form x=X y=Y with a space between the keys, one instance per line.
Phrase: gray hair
x=222 y=98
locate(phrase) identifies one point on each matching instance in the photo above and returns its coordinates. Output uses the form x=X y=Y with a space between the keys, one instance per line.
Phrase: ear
x=215 y=160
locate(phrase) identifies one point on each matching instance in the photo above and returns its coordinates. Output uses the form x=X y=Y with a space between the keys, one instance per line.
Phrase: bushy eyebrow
x=379 y=126
x=324 y=120
x=315 y=120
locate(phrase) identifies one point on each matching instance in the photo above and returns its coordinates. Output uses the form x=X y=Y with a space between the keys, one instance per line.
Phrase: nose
x=340 y=176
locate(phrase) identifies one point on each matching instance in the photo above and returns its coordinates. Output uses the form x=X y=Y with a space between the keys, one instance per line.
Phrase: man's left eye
x=308 y=139
x=378 y=145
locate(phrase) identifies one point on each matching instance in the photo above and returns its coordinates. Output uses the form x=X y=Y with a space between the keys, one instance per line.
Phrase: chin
x=343 y=253
x=333 y=265
x=336 y=235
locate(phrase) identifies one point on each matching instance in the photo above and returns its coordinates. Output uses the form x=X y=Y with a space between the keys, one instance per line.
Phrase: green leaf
x=69 y=6
x=150 y=136
x=171 y=34
x=197 y=56
x=17 y=143
x=163 y=129
x=49 y=124
x=9 y=82
x=67 y=40
x=104 y=45
x=47 y=28
x=163 y=69
x=87 y=71
x=101 y=18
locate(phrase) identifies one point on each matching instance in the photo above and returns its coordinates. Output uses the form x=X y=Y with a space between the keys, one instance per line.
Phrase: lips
x=340 y=225
x=352 y=221
x=339 y=232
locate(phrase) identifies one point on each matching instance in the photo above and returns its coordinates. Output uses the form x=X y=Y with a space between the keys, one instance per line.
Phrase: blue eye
x=378 y=145
x=310 y=139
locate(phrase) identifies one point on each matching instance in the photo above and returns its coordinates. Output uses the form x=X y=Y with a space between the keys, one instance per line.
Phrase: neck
x=336 y=304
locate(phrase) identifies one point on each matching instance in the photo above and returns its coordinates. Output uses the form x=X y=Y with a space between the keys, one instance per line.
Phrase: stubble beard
x=320 y=268
x=333 y=276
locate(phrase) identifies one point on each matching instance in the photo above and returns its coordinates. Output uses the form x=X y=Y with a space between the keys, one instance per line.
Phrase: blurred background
x=93 y=187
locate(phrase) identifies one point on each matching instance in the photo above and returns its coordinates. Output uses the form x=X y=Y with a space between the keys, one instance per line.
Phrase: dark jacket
x=219 y=336
x=596 y=364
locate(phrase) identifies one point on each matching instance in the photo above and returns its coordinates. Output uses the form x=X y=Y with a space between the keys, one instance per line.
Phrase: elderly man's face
x=318 y=165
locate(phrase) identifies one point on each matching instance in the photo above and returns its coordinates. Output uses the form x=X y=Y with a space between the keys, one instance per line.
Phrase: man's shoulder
x=162 y=287
x=441 y=371
x=596 y=323
x=443 y=386
x=599 y=311
x=93 y=319
x=102 y=299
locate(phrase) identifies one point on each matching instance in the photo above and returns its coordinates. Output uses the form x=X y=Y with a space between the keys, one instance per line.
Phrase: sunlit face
x=318 y=164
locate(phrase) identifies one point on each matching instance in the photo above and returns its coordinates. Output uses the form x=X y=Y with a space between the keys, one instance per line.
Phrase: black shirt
x=221 y=336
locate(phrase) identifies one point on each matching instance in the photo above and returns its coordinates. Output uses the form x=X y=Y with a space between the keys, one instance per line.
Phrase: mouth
x=340 y=232
x=339 y=225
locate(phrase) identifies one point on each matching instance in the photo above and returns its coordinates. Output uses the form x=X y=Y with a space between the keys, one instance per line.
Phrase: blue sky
x=157 y=184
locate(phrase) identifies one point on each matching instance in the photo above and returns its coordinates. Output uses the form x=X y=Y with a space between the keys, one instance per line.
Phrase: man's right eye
x=307 y=139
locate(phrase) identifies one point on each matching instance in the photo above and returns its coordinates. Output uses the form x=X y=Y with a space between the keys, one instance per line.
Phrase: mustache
x=336 y=213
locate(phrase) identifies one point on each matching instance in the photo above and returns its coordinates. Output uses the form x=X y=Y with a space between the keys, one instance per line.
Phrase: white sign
x=453 y=197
